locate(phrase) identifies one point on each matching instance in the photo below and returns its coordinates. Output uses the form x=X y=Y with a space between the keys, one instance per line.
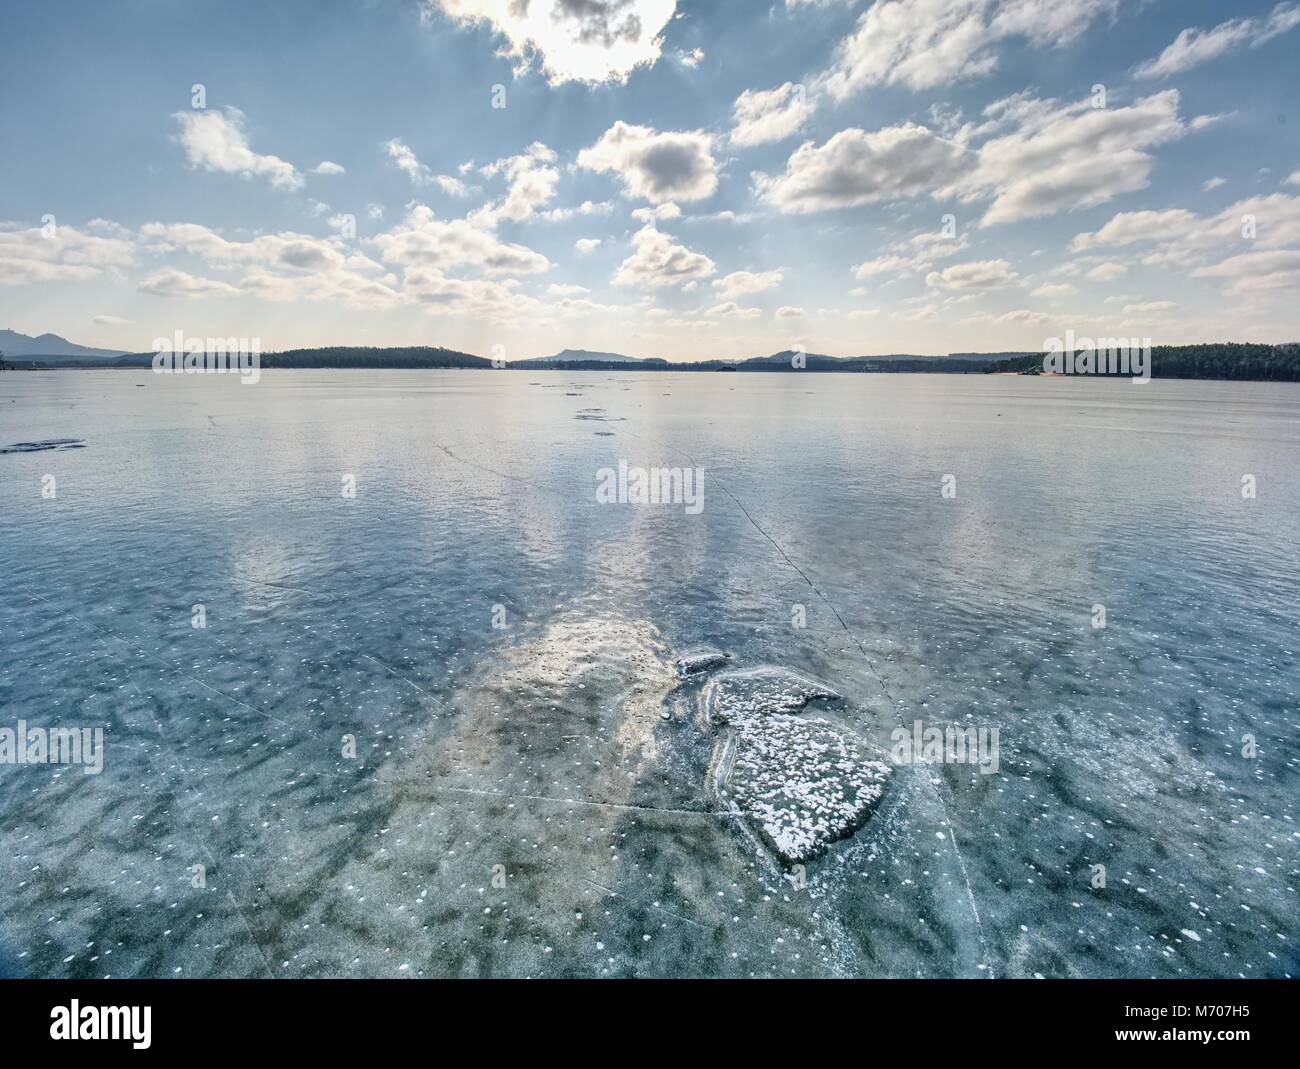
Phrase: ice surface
x=519 y=803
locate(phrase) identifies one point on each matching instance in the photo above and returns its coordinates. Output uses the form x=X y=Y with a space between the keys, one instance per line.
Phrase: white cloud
x=1106 y=272
x=480 y=299
x=1150 y=307
x=1252 y=271
x=659 y=261
x=574 y=40
x=1128 y=227
x=277 y=267
x=565 y=289
x=60 y=253
x=915 y=255
x=731 y=310
x=214 y=139
x=586 y=245
x=171 y=282
x=1023 y=315
x=1066 y=157
x=922 y=44
x=789 y=311
x=328 y=167
x=666 y=212
x=760 y=116
x=1051 y=291
x=1214 y=183
x=532 y=181
x=108 y=320
x=405 y=160
x=421 y=240
x=1183 y=238
x=657 y=167
x=739 y=283
x=1193 y=46
x=976 y=274
x=587 y=207
x=855 y=167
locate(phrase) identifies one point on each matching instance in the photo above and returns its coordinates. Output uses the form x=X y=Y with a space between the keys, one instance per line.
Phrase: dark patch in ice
x=701 y=660
x=803 y=782
x=40 y=447
x=604 y=434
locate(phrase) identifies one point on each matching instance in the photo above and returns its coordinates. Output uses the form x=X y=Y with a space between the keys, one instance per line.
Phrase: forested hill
x=417 y=356
x=1225 y=360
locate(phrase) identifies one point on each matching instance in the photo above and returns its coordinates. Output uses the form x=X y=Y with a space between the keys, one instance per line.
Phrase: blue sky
x=683 y=179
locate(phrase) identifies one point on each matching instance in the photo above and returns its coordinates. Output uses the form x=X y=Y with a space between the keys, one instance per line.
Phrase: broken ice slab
x=696 y=661
x=803 y=782
x=744 y=694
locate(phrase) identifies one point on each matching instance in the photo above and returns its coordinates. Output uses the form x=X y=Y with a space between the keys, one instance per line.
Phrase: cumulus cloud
x=789 y=311
x=214 y=139
x=171 y=282
x=421 y=240
x=481 y=299
x=328 y=167
x=1250 y=244
x=922 y=44
x=739 y=283
x=276 y=267
x=653 y=166
x=1251 y=271
x=1194 y=46
x=912 y=256
x=855 y=167
x=759 y=116
x=974 y=275
x=60 y=253
x=1053 y=290
x=587 y=207
x=405 y=160
x=573 y=40
x=657 y=260
x=1106 y=272
x=532 y=181
x=1150 y=307
x=586 y=245
x=566 y=289
x=731 y=310
x=1066 y=157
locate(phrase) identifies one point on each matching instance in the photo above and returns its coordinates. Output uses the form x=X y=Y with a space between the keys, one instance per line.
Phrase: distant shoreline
x=1227 y=361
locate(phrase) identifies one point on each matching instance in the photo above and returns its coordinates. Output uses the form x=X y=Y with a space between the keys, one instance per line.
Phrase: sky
x=676 y=179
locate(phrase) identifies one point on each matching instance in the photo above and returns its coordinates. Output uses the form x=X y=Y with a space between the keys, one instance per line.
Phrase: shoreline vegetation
x=1229 y=360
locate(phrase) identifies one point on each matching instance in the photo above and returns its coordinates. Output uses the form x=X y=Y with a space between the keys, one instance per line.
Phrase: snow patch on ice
x=800 y=779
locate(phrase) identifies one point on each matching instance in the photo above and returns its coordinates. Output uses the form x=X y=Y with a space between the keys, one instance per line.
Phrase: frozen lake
x=417 y=561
